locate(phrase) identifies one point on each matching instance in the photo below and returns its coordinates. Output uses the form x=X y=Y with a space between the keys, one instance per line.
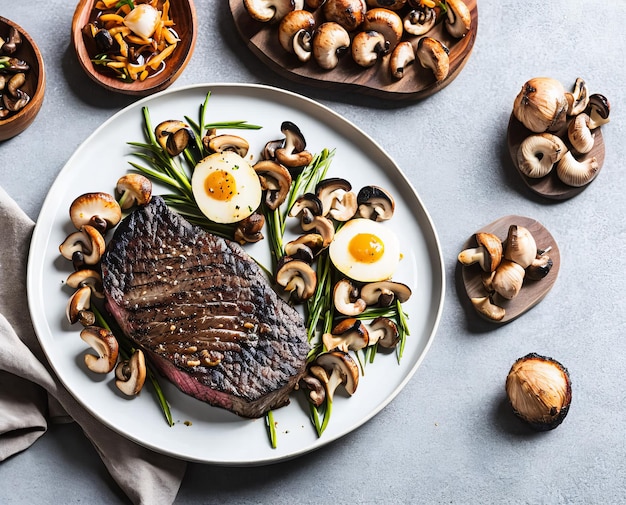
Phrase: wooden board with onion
x=418 y=82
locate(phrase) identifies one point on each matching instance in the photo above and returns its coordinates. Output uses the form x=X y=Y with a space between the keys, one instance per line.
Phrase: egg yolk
x=220 y=185
x=366 y=248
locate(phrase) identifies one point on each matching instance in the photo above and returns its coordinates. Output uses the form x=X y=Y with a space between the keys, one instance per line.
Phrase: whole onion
x=541 y=105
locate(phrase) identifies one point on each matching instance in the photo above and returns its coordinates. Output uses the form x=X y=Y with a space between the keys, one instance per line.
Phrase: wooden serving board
x=550 y=185
x=418 y=82
x=532 y=292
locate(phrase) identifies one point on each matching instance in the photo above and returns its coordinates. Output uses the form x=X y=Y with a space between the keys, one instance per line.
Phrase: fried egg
x=226 y=187
x=365 y=250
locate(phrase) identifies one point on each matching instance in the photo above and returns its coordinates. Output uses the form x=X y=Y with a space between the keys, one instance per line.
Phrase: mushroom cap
x=487 y=253
x=98 y=209
x=105 y=344
x=173 y=136
x=459 y=20
x=432 y=54
x=229 y=142
x=268 y=11
x=134 y=189
x=131 y=374
x=86 y=277
x=249 y=229
x=349 y=14
x=419 y=20
x=322 y=225
x=401 y=57
x=275 y=181
x=384 y=293
x=367 y=47
x=329 y=41
x=386 y=22
x=375 y=203
x=294 y=22
x=394 y=5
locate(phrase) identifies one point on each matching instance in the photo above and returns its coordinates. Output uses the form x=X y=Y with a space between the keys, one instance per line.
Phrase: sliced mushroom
x=330 y=41
x=375 y=203
x=538 y=153
x=316 y=391
x=229 y=142
x=384 y=293
x=15 y=102
x=269 y=11
x=295 y=33
x=86 y=277
x=349 y=14
x=383 y=332
x=459 y=20
x=249 y=229
x=105 y=344
x=293 y=153
x=347 y=299
x=275 y=181
x=306 y=207
x=348 y=334
x=338 y=200
x=131 y=374
x=88 y=241
x=99 y=210
x=305 y=247
x=78 y=305
x=508 y=279
x=578 y=99
x=598 y=110
x=420 y=20
x=432 y=54
x=335 y=368
x=577 y=173
x=322 y=225
x=485 y=306
x=174 y=136
x=401 y=57
x=134 y=189
x=386 y=22
x=296 y=277
x=579 y=134
x=487 y=253
x=540 y=267
x=367 y=47
x=12 y=43
x=520 y=246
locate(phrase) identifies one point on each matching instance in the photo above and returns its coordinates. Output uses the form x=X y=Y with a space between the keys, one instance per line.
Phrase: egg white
x=346 y=263
x=244 y=201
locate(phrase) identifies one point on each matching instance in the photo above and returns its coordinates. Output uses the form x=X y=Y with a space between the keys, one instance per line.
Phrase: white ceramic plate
x=201 y=432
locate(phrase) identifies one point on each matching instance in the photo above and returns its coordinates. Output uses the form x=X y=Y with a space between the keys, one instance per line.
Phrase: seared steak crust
x=203 y=311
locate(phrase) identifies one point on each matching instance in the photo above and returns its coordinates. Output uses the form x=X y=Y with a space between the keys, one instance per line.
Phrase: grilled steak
x=203 y=312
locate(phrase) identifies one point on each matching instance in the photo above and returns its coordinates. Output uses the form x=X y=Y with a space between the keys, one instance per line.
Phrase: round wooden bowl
x=35 y=85
x=183 y=13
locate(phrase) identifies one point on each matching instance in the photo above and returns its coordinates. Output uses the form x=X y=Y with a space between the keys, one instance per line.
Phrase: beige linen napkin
x=31 y=396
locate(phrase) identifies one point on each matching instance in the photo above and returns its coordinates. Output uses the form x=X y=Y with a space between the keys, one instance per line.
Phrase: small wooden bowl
x=183 y=12
x=35 y=85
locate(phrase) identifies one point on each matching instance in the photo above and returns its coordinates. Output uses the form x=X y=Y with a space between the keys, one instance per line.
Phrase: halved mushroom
x=401 y=57
x=367 y=47
x=99 y=210
x=293 y=153
x=538 y=153
x=432 y=54
x=131 y=374
x=348 y=334
x=487 y=253
x=577 y=173
x=330 y=41
x=520 y=246
x=579 y=134
x=347 y=299
x=87 y=241
x=134 y=189
x=508 y=279
x=375 y=203
x=383 y=332
x=420 y=20
x=174 y=136
x=86 y=277
x=459 y=20
x=295 y=33
x=598 y=110
x=347 y=13
x=384 y=293
x=77 y=308
x=296 y=277
x=578 y=99
x=105 y=344
x=338 y=200
x=229 y=142
x=269 y=11
x=335 y=368
x=485 y=306
x=249 y=229
x=386 y=22
x=275 y=181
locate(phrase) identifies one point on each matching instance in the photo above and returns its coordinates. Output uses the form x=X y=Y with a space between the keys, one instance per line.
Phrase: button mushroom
x=131 y=374
x=249 y=229
x=275 y=181
x=100 y=210
x=348 y=334
x=459 y=18
x=375 y=203
x=487 y=253
x=105 y=344
x=384 y=293
x=330 y=41
x=386 y=22
x=538 y=154
x=295 y=33
x=87 y=241
x=347 y=299
x=134 y=189
x=347 y=13
x=401 y=57
x=420 y=20
x=432 y=54
x=269 y=11
x=338 y=200
x=297 y=278
x=367 y=47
